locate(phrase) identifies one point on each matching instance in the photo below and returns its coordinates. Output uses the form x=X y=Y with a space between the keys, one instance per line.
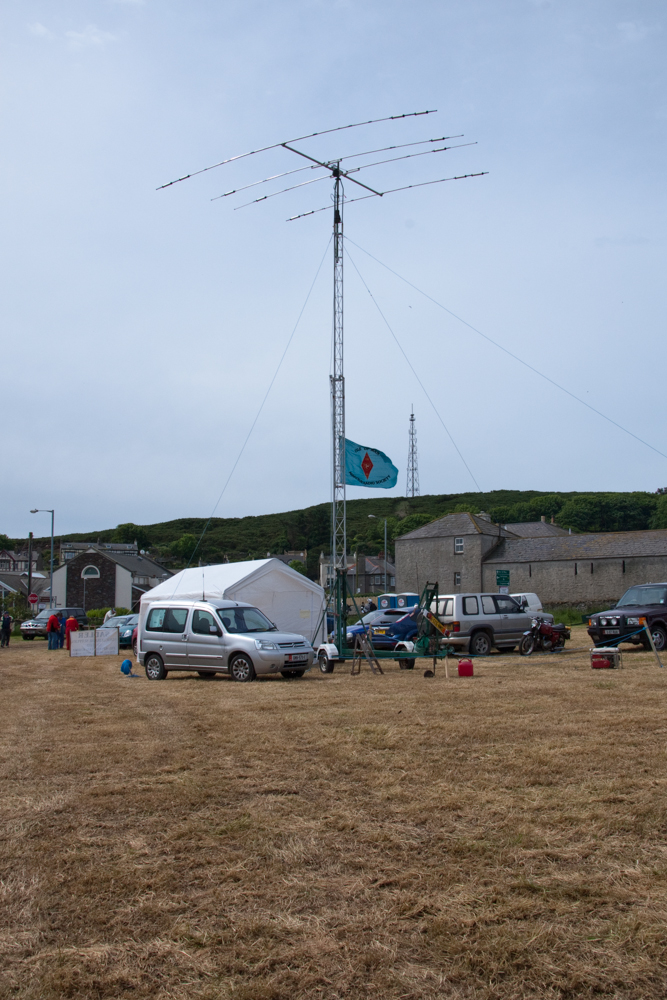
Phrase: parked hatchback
x=37 y=625
x=217 y=637
x=478 y=622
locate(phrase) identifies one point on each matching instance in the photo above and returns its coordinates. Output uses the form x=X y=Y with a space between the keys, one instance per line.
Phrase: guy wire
x=507 y=351
x=398 y=343
x=261 y=406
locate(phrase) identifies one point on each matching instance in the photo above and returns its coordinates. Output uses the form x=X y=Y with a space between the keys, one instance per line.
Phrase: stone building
x=462 y=552
x=98 y=579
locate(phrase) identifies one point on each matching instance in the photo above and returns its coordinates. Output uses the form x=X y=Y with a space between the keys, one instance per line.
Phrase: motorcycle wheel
x=527 y=645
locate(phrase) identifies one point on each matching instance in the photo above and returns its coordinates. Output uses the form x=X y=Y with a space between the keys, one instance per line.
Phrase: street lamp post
x=42 y=510
x=385 y=549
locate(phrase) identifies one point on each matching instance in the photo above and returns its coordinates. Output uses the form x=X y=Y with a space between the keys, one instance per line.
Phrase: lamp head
x=373 y=516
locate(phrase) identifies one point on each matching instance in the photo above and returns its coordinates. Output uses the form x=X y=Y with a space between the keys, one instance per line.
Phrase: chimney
x=543 y=519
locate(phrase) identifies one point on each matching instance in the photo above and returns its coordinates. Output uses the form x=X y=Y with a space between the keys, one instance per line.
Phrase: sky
x=142 y=328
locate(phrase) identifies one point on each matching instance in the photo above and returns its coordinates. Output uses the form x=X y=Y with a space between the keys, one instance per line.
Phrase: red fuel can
x=465 y=668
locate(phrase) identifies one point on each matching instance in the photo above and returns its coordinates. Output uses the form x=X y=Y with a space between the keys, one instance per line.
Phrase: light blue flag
x=368 y=467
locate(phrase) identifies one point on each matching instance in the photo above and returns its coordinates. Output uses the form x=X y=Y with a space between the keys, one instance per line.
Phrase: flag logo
x=368 y=467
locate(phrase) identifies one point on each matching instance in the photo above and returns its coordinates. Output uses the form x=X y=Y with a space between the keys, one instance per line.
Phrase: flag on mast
x=368 y=467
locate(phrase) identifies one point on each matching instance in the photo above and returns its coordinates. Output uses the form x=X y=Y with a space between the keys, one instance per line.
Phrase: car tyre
x=242 y=669
x=325 y=664
x=480 y=644
x=659 y=637
x=28 y=638
x=292 y=675
x=154 y=668
x=406 y=664
x=134 y=647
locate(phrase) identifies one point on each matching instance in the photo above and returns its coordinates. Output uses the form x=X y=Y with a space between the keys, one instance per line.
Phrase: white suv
x=477 y=622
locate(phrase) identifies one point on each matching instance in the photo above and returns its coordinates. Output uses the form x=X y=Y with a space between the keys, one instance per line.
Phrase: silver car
x=476 y=622
x=212 y=637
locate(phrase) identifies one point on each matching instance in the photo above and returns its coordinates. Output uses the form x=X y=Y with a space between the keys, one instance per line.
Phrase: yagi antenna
x=333 y=169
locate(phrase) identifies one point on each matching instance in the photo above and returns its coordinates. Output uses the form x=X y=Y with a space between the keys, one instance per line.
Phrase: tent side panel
x=292 y=609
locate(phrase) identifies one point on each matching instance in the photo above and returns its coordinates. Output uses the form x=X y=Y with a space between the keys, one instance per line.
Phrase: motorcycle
x=543 y=637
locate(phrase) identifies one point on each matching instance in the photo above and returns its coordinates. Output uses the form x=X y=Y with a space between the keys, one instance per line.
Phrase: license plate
x=611 y=631
x=380 y=631
x=296 y=657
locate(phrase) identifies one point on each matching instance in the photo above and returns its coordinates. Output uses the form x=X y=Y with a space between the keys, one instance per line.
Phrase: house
x=17 y=562
x=292 y=555
x=365 y=574
x=70 y=549
x=463 y=552
x=97 y=578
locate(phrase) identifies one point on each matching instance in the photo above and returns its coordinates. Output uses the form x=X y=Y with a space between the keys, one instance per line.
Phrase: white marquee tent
x=289 y=599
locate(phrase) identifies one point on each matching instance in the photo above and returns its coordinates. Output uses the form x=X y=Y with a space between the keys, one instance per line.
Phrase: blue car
x=403 y=629
x=386 y=617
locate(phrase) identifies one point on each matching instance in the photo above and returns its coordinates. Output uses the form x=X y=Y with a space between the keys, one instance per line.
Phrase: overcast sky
x=142 y=328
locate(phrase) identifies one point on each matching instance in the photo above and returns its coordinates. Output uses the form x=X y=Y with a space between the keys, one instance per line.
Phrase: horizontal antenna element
x=299 y=138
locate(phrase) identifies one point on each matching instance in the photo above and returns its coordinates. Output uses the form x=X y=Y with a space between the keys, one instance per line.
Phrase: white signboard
x=100 y=642
x=82 y=644
x=106 y=642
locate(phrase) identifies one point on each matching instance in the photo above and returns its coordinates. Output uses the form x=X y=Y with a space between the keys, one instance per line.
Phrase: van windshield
x=238 y=620
x=637 y=596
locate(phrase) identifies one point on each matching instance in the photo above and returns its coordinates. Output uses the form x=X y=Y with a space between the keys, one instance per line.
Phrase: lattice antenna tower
x=412 y=489
x=334 y=171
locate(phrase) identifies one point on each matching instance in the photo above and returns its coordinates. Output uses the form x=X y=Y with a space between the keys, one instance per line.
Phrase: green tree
x=129 y=533
x=411 y=523
x=298 y=566
x=659 y=519
x=183 y=547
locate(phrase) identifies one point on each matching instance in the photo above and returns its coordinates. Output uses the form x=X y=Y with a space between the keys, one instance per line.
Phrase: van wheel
x=480 y=644
x=241 y=668
x=291 y=675
x=155 y=668
x=326 y=665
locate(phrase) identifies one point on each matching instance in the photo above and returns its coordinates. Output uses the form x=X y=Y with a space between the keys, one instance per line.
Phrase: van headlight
x=265 y=644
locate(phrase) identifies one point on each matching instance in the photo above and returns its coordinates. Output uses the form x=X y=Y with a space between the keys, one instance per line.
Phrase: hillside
x=252 y=537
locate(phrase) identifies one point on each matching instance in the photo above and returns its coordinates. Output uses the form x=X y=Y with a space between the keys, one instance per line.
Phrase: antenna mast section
x=339 y=532
x=412 y=489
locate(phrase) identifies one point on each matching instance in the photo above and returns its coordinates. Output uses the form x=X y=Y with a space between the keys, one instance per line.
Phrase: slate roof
x=456 y=524
x=137 y=565
x=601 y=545
x=535 y=529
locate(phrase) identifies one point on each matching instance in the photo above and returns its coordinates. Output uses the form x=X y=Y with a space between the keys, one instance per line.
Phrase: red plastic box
x=465 y=668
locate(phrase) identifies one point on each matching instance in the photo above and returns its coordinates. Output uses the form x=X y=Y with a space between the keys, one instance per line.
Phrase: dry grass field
x=502 y=836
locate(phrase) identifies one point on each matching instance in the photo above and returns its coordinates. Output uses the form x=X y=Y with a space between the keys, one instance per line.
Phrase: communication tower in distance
x=412 y=489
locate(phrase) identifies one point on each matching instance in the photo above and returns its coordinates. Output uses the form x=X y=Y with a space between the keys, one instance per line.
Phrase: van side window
x=175 y=619
x=155 y=620
x=470 y=606
x=488 y=607
x=446 y=608
x=202 y=622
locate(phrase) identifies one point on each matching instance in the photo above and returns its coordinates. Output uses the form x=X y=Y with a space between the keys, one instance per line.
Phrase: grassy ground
x=390 y=837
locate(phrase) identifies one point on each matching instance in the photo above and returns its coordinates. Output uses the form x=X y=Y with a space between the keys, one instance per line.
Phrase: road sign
x=502 y=578
x=33 y=598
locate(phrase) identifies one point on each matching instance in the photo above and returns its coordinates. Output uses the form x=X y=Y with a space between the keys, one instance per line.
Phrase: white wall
x=60 y=586
x=123 y=588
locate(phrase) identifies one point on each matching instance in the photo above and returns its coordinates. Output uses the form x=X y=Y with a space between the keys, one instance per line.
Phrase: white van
x=532 y=605
x=227 y=637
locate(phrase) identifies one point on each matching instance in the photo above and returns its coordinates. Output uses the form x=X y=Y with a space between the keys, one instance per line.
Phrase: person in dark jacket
x=6 y=628
x=61 y=634
x=53 y=631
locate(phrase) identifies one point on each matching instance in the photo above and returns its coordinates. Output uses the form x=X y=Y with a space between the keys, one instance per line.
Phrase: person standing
x=111 y=613
x=53 y=631
x=6 y=628
x=61 y=634
x=71 y=625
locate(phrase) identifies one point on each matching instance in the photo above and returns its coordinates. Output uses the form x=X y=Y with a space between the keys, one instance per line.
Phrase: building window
x=90 y=573
x=458 y=545
x=624 y=565
x=377 y=579
x=457 y=579
x=392 y=581
x=575 y=569
x=591 y=567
